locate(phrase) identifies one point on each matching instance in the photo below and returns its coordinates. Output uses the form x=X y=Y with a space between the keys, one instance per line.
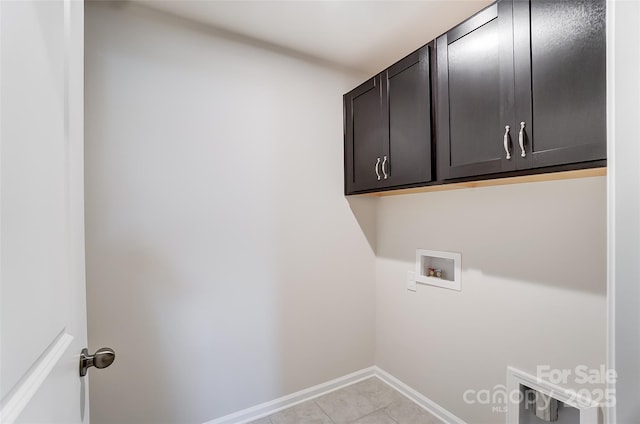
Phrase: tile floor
x=368 y=402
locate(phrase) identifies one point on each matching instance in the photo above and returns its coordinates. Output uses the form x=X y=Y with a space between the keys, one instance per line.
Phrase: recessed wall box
x=441 y=269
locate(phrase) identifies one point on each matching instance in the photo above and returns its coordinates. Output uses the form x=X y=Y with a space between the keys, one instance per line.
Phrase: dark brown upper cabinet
x=388 y=128
x=472 y=114
x=521 y=85
x=363 y=136
x=560 y=81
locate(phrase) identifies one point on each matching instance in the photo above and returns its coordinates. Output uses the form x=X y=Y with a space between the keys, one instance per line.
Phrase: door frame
x=623 y=186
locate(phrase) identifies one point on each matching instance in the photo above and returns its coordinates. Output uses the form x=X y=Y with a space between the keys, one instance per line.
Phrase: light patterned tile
x=378 y=417
x=356 y=401
x=345 y=406
x=380 y=393
x=405 y=411
x=304 y=413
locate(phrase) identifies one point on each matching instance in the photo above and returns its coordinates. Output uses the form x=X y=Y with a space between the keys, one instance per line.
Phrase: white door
x=43 y=309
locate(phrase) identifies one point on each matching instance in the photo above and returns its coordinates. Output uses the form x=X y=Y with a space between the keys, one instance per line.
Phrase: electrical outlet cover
x=411 y=281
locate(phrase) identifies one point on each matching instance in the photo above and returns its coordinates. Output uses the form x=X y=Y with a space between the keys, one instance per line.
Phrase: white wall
x=225 y=266
x=533 y=288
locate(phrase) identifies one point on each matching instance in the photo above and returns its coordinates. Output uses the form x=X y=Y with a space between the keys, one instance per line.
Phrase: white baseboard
x=268 y=408
x=421 y=400
x=271 y=407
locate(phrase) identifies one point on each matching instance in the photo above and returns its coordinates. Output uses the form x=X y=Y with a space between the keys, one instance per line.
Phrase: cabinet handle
x=377 y=170
x=506 y=141
x=521 y=140
x=383 y=171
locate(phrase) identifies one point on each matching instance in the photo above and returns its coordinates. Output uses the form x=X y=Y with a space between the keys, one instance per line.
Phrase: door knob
x=101 y=359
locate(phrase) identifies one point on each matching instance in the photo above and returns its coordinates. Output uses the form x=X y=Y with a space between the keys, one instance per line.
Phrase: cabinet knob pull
x=377 y=168
x=384 y=162
x=506 y=141
x=521 y=140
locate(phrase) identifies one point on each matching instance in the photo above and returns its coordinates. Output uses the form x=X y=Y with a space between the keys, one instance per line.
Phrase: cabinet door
x=364 y=133
x=407 y=112
x=560 y=77
x=475 y=95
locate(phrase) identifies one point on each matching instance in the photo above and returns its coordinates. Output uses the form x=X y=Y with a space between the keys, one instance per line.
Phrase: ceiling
x=366 y=36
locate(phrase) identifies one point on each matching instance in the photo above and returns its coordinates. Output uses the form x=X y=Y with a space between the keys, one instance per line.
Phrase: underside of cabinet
x=566 y=175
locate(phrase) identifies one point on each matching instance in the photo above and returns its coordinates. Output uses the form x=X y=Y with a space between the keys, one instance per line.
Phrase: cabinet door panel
x=474 y=96
x=363 y=137
x=561 y=83
x=471 y=87
x=409 y=114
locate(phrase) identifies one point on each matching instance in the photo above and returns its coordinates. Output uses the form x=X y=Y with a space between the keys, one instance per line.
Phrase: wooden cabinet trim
x=554 y=176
